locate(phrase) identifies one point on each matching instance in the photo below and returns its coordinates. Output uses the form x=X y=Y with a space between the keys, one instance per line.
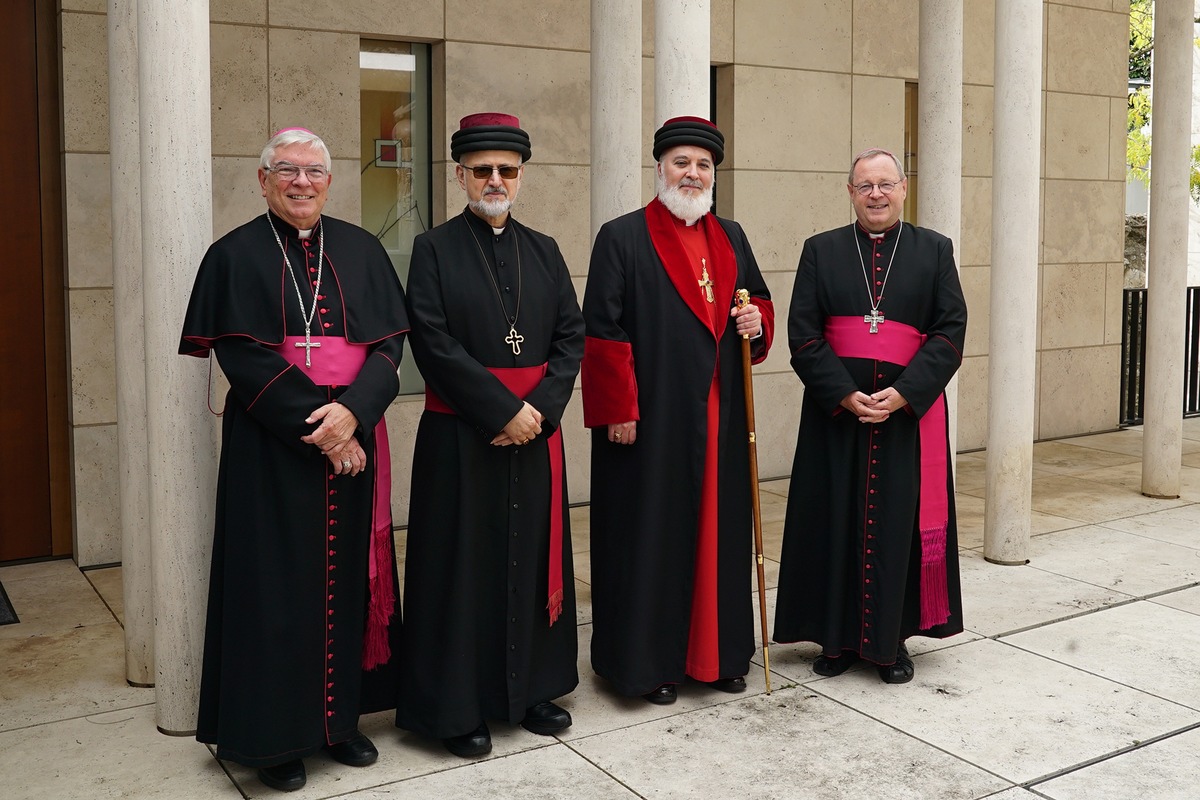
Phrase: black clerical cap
x=489 y=131
x=695 y=131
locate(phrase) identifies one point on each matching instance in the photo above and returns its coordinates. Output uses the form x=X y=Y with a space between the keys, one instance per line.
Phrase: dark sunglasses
x=484 y=171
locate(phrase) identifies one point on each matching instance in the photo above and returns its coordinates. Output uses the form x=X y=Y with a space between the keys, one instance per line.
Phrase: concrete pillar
x=176 y=158
x=682 y=57
x=125 y=170
x=939 y=104
x=617 y=145
x=1014 y=296
x=1166 y=267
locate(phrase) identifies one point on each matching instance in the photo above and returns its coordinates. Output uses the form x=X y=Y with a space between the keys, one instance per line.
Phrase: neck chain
x=307 y=316
x=874 y=319
x=514 y=339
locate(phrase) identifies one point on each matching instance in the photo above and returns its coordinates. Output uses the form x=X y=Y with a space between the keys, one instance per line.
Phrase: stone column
x=682 y=48
x=1014 y=296
x=176 y=158
x=940 y=102
x=124 y=165
x=616 y=109
x=1166 y=267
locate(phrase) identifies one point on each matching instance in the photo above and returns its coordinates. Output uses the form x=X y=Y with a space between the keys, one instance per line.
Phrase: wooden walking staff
x=743 y=297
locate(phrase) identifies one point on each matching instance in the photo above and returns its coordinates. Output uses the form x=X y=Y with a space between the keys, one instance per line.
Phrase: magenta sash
x=897 y=343
x=521 y=381
x=337 y=363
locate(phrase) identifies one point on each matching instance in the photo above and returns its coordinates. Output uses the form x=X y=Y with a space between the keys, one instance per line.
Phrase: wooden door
x=33 y=453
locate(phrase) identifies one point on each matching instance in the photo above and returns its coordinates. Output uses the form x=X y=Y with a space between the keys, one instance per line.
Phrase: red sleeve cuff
x=609 y=383
x=767 y=309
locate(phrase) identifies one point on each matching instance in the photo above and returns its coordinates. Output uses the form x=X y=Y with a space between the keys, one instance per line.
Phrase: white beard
x=491 y=205
x=686 y=207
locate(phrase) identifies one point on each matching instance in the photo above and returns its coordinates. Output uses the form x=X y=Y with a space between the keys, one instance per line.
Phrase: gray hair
x=290 y=136
x=875 y=151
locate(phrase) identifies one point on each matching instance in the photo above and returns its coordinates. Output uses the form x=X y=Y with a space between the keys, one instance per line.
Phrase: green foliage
x=1137 y=149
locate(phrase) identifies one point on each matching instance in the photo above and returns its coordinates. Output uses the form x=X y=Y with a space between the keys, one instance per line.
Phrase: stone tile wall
x=801 y=85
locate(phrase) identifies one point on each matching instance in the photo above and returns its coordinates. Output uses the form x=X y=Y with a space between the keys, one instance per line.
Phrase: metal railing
x=1133 y=355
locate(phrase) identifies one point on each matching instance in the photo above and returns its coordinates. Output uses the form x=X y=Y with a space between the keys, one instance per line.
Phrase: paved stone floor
x=1077 y=679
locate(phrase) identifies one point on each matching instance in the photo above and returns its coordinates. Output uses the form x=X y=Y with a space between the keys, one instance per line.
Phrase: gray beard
x=689 y=209
x=491 y=206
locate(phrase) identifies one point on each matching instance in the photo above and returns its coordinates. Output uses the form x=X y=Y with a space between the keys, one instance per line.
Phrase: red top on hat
x=285 y=130
x=488 y=118
x=698 y=120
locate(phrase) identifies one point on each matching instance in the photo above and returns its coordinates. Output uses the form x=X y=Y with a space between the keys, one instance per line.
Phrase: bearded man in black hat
x=663 y=394
x=489 y=589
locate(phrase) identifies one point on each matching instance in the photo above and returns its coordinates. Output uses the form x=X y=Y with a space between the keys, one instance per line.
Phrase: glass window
x=394 y=89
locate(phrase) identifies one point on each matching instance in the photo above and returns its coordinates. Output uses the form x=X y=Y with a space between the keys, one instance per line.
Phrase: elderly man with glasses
x=497 y=334
x=306 y=316
x=876 y=328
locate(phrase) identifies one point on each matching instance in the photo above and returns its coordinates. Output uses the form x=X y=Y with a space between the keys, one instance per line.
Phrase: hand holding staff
x=743 y=297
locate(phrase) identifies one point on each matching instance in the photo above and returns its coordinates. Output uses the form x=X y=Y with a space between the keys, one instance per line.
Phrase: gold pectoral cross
x=704 y=282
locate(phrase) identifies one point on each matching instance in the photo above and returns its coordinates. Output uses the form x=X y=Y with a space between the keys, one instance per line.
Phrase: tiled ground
x=1076 y=680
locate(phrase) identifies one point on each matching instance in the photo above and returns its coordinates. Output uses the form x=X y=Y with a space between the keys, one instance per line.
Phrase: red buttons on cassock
x=328 y=325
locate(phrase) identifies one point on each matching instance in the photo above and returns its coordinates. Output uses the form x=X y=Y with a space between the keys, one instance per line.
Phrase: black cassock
x=849 y=576
x=283 y=647
x=648 y=350
x=478 y=640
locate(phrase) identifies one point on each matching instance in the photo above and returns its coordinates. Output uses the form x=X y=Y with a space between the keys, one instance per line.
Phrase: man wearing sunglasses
x=663 y=392
x=489 y=590
x=306 y=316
x=876 y=329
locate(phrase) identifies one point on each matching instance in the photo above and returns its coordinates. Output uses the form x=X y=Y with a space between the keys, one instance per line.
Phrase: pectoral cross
x=875 y=318
x=514 y=339
x=308 y=344
x=704 y=282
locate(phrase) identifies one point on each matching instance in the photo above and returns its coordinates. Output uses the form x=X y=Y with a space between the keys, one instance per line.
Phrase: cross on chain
x=514 y=339
x=704 y=282
x=874 y=318
x=308 y=344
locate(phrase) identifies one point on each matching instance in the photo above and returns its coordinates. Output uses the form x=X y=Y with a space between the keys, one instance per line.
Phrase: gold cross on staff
x=704 y=282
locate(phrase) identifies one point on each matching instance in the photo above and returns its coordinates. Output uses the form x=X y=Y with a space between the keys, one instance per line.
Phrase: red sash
x=521 y=381
x=897 y=343
x=337 y=363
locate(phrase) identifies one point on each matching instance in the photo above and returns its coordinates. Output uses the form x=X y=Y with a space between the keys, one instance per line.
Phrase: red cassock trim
x=674 y=258
x=610 y=393
x=767 y=309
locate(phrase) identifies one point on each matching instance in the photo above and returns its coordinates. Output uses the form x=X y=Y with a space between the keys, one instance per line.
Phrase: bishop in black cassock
x=876 y=328
x=306 y=316
x=489 y=589
x=663 y=392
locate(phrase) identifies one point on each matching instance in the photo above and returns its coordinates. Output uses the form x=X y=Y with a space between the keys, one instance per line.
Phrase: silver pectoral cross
x=874 y=318
x=308 y=344
x=514 y=339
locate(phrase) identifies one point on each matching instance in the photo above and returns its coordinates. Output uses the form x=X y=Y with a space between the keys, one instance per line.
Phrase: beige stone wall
x=802 y=84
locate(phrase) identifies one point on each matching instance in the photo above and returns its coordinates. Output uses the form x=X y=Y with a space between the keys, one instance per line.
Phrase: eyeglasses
x=289 y=172
x=886 y=187
x=484 y=171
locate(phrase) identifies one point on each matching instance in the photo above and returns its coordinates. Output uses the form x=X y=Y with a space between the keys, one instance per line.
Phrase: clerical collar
x=497 y=231
x=884 y=234
x=304 y=234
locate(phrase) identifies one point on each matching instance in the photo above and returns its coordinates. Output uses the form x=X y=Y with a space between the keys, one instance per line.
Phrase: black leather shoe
x=662 y=696
x=471 y=745
x=731 y=685
x=545 y=719
x=357 y=751
x=900 y=672
x=832 y=666
x=287 y=777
